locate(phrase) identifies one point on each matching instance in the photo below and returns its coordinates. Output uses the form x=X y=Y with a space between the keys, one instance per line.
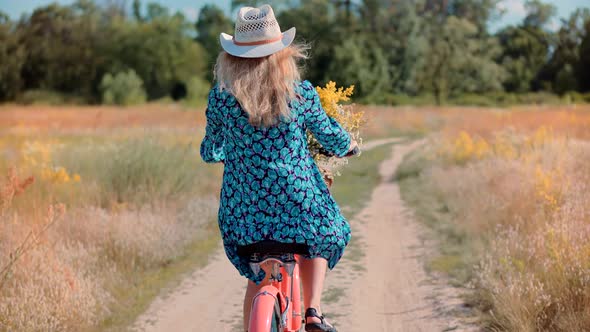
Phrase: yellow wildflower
x=465 y=148
x=37 y=153
x=58 y=175
x=541 y=136
x=546 y=188
x=330 y=97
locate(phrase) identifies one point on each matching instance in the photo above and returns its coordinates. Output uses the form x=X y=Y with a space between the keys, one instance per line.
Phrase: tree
x=527 y=47
x=317 y=27
x=137 y=11
x=565 y=79
x=61 y=44
x=400 y=25
x=158 y=50
x=115 y=8
x=156 y=11
x=560 y=71
x=478 y=12
x=455 y=60
x=399 y=29
x=277 y=5
x=583 y=67
x=211 y=22
x=12 y=54
x=360 y=62
x=524 y=54
x=539 y=14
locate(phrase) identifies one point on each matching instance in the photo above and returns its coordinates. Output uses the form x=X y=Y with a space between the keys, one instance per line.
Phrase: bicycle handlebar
x=355 y=151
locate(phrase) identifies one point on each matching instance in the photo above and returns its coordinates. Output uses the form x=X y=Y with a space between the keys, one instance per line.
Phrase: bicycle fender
x=295 y=315
x=263 y=308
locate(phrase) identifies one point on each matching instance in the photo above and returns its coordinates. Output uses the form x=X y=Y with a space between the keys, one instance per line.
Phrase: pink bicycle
x=277 y=306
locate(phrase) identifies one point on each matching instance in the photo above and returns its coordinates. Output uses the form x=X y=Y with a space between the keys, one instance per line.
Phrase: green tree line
x=104 y=52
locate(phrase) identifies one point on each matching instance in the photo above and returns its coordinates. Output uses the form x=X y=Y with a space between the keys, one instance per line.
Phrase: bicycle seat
x=269 y=247
x=265 y=250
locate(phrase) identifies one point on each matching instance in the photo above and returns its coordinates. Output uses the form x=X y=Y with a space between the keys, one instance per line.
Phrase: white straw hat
x=257 y=34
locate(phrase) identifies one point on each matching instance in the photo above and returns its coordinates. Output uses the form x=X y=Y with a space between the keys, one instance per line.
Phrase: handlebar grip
x=353 y=152
x=350 y=153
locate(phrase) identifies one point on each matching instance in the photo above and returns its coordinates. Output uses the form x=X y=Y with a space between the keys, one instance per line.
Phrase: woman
x=257 y=117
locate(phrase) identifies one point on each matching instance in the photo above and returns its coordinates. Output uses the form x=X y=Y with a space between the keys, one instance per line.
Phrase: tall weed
x=521 y=201
x=134 y=206
x=138 y=171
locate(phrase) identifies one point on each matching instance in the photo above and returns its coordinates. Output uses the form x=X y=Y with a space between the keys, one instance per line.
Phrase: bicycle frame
x=284 y=288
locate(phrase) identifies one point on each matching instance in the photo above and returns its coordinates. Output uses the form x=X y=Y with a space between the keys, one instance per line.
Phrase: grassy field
x=100 y=208
x=507 y=194
x=103 y=207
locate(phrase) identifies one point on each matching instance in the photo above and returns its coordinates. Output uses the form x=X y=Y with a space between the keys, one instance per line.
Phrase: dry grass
x=69 y=118
x=572 y=121
x=519 y=204
x=507 y=189
x=62 y=281
x=137 y=197
x=516 y=195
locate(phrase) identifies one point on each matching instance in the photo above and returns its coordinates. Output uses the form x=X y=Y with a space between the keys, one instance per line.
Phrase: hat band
x=260 y=42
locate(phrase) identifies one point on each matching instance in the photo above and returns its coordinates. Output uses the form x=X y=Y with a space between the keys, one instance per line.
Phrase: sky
x=515 y=10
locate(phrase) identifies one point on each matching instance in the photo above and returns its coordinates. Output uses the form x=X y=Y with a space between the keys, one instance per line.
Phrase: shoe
x=317 y=327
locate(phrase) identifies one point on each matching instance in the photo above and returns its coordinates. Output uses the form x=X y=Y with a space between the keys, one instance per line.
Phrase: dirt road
x=384 y=288
x=379 y=285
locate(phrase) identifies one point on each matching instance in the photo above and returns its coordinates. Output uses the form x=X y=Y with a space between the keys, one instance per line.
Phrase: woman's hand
x=353 y=149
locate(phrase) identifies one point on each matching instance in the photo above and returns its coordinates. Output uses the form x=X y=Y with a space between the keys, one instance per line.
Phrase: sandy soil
x=379 y=285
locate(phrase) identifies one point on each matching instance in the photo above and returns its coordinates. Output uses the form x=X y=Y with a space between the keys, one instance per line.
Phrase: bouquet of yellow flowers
x=331 y=99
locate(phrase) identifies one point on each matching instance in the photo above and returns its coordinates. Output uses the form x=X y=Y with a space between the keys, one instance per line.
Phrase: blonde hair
x=262 y=86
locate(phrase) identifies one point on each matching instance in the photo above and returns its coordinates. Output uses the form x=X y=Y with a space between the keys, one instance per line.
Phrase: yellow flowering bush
x=527 y=150
x=548 y=187
x=520 y=200
x=465 y=148
x=331 y=99
x=505 y=145
x=540 y=137
x=37 y=153
x=37 y=157
x=58 y=175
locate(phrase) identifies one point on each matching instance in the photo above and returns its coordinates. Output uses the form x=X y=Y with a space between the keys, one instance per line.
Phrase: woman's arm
x=325 y=129
x=213 y=142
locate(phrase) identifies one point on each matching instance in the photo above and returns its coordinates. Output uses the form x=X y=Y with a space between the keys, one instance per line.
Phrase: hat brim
x=256 y=51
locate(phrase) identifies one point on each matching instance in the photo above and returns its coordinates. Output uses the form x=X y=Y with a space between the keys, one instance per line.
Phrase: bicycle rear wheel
x=276 y=321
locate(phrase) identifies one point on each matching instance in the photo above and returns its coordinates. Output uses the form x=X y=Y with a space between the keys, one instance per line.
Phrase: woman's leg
x=313 y=273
